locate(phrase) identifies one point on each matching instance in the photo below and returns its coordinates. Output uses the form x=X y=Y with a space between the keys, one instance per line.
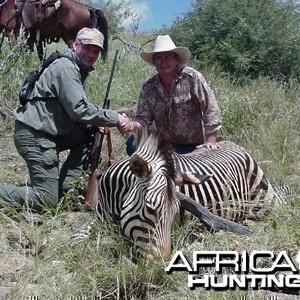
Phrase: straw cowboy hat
x=164 y=43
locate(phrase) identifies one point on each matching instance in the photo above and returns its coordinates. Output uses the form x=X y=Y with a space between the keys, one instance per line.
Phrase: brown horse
x=8 y=20
x=55 y=19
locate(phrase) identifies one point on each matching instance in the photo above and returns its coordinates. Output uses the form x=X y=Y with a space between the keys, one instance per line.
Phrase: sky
x=156 y=13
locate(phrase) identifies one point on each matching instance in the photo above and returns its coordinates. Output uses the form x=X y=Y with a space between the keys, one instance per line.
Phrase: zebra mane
x=153 y=145
x=156 y=139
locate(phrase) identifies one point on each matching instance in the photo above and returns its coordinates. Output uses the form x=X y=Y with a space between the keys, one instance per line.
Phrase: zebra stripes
x=237 y=188
x=139 y=192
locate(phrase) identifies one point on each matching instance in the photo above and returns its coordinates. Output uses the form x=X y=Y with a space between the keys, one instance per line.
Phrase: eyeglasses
x=164 y=58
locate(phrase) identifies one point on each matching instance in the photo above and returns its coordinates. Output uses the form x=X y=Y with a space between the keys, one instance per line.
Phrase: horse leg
x=39 y=49
x=17 y=28
x=12 y=39
x=5 y=29
x=31 y=38
x=2 y=39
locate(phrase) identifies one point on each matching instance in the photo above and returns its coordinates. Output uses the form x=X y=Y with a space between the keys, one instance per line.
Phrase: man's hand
x=209 y=146
x=123 y=124
x=211 y=142
x=101 y=130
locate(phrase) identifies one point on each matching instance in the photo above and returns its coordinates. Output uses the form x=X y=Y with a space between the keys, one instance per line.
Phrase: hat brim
x=91 y=42
x=183 y=53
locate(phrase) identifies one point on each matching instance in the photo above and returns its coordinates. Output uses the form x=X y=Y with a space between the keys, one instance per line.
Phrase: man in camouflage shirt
x=58 y=117
x=177 y=99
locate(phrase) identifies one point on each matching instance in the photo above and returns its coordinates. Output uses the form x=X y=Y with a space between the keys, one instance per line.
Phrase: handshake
x=125 y=125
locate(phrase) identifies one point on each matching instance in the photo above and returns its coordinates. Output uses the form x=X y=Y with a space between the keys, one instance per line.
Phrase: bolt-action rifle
x=94 y=158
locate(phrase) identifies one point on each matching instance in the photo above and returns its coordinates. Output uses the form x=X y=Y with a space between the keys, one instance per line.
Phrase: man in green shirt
x=58 y=117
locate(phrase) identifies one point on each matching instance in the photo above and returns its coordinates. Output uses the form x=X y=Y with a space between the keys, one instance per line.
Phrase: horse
x=51 y=20
x=9 y=23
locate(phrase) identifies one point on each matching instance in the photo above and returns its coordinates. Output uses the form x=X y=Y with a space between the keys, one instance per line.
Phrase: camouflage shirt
x=190 y=104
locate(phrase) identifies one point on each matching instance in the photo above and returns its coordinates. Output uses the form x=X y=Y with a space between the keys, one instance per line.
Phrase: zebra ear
x=139 y=167
x=192 y=178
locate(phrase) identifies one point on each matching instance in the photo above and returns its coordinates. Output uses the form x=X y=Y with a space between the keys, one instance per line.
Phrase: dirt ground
x=12 y=165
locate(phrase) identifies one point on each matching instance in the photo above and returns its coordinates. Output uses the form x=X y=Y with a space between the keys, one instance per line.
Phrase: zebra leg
x=212 y=221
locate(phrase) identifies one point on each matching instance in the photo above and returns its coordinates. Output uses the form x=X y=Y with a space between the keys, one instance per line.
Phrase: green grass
x=38 y=256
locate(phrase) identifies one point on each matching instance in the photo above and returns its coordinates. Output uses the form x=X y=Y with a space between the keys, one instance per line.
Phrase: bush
x=247 y=39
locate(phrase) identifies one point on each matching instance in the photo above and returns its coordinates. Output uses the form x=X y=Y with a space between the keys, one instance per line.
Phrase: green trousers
x=41 y=154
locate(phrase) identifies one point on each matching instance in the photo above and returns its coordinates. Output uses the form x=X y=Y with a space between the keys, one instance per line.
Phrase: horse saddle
x=34 y=11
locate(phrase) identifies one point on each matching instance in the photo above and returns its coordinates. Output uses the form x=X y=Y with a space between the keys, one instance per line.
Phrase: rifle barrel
x=95 y=147
x=110 y=77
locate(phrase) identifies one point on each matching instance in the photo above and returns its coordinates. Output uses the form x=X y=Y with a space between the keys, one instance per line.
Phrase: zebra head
x=151 y=206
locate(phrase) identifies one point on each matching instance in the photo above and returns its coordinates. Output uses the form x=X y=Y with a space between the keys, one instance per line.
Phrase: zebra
x=238 y=187
x=141 y=192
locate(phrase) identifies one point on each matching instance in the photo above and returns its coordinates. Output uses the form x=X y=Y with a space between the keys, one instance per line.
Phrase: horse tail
x=103 y=27
x=93 y=18
x=98 y=21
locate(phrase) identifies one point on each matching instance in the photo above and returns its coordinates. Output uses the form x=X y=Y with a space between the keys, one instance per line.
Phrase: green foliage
x=246 y=38
x=12 y=73
x=116 y=12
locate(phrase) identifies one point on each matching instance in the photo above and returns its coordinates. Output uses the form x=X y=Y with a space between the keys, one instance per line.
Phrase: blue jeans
x=180 y=149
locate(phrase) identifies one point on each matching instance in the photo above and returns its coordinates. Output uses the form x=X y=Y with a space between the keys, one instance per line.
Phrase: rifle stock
x=111 y=159
x=95 y=147
x=92 y=189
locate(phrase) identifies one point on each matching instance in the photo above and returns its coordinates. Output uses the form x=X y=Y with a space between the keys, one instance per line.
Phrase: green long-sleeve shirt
x=62 y=101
